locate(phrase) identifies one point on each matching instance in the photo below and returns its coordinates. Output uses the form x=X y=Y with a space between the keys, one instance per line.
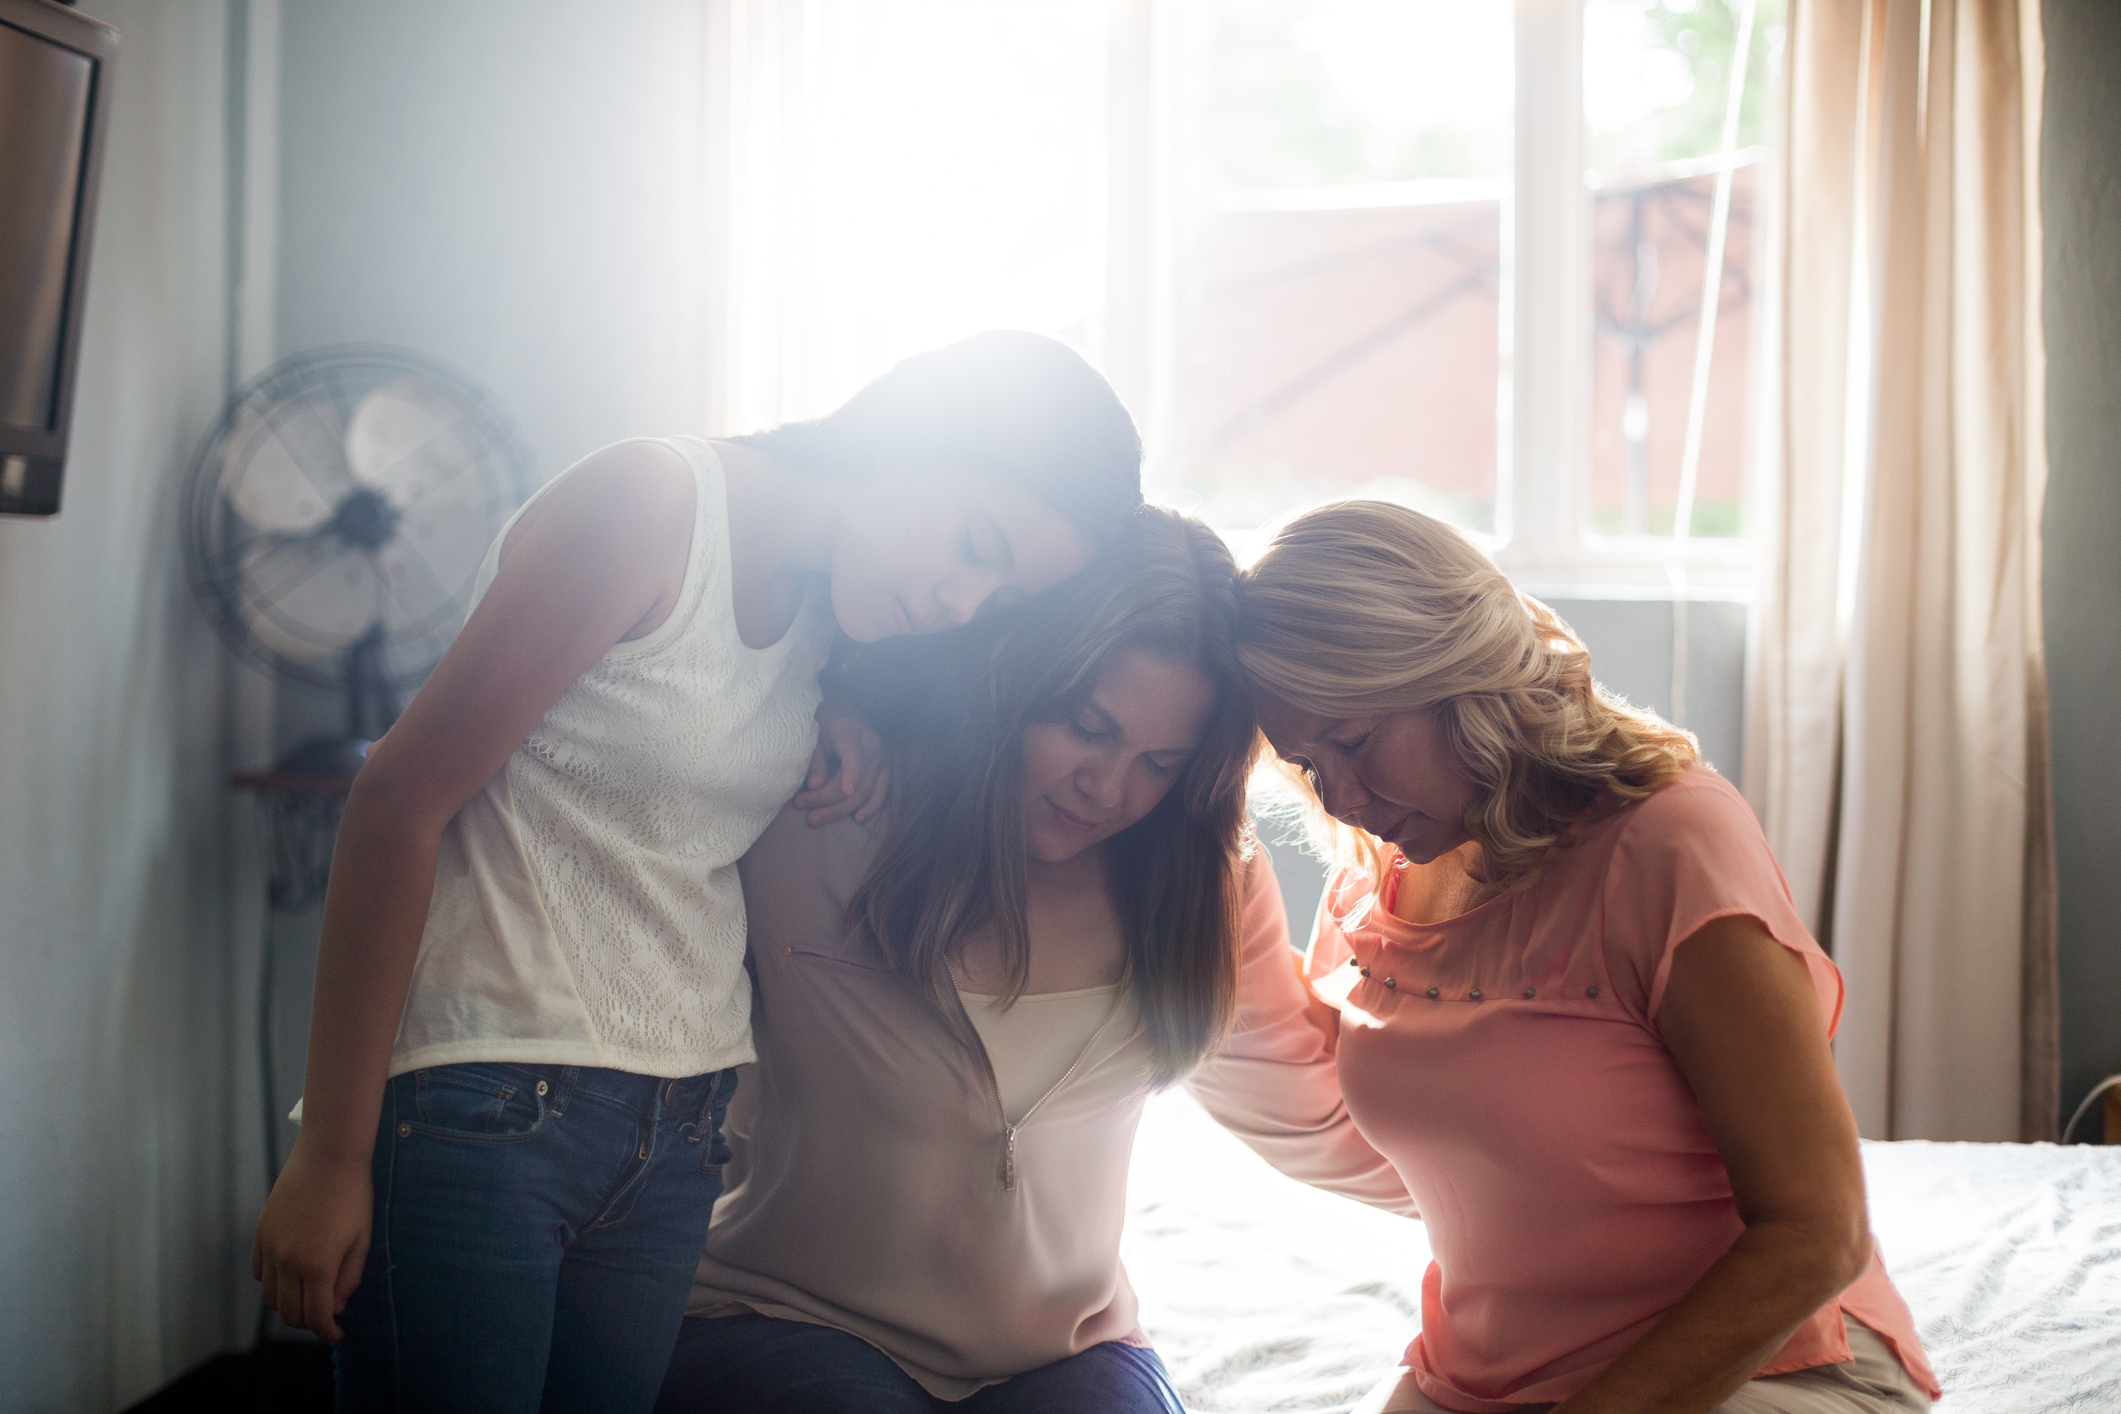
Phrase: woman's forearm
x=382 y=878
x=1729 y=1324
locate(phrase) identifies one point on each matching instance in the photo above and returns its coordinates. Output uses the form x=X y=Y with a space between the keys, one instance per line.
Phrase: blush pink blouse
x=1506 y=1062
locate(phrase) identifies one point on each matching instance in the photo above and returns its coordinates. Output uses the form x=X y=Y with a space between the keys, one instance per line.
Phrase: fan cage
x=216 y=540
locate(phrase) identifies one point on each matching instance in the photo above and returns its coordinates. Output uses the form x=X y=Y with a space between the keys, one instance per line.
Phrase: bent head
x=1426 y=702
x=925 y=549
x=976 y=474
x=1111 y=714
x=1391 y=775
x=1125 y=699
x=1102 y=768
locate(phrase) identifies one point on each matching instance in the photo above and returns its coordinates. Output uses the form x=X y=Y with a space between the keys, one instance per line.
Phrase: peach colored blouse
x=1505 y=1061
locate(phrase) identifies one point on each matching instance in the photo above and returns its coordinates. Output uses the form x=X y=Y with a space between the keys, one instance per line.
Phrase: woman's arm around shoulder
x=1274 y=1083
x=599 y=559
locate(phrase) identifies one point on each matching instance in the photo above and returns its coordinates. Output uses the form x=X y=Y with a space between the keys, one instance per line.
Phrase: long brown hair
x=953 y=710
x=1362 y=608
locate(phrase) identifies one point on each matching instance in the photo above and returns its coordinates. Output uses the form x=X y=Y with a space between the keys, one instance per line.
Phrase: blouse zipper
x=994 y=1087
x=1008 y=1173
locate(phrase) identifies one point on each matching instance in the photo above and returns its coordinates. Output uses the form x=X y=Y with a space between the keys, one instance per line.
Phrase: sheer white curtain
x=756 y=78
x=1896 y=738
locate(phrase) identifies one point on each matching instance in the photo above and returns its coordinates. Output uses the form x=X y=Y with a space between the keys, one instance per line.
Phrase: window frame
x=1542 y=538
x=1548 y=542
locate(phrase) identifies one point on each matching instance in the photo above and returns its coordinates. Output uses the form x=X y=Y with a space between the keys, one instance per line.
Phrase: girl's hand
x=847 y=774
x=312 y=1240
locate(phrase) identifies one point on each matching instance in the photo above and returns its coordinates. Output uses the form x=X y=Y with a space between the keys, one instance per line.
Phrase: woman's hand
x=312 y=1239
x=847 y=775
x=1742 y=1020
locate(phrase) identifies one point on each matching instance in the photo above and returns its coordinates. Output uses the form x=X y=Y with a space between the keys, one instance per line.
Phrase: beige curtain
x=1896 y=735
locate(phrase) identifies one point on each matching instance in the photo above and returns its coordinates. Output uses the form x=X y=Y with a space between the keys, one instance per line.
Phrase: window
x=1447 y=252
x=1656 y=85
x=1344 y=172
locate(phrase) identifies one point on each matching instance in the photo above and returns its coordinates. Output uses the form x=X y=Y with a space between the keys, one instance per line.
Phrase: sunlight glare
x=1626 y=76
x=954 y=179
x=1412 y=64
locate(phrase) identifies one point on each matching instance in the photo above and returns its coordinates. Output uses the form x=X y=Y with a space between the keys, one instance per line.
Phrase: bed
x=1262 y=1294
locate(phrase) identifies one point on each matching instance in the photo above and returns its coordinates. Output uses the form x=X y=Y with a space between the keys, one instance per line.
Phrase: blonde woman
x=1578 y=1010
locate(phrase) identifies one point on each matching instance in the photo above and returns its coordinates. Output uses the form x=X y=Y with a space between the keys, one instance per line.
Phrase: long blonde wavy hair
x=1362 y=609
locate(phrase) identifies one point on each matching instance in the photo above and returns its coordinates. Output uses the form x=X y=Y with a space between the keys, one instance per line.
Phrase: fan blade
x=283 y=471
x=406 y=439
x=310 y=599
x=430 y=565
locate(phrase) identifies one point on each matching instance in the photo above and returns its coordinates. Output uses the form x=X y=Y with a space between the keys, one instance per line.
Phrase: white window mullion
x=1549 y=295
x=1130 y=337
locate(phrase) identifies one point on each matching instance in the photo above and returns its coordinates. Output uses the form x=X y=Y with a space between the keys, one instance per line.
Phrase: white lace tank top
x=586 y=906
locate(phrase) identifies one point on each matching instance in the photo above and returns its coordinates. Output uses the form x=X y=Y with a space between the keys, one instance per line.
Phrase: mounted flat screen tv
x=55 y=67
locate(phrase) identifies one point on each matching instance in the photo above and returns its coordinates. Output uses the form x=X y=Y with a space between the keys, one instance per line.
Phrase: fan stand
x=370 y=710
x=303 y=796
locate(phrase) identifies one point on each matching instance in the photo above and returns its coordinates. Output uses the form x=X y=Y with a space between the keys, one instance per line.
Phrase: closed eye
x=986 y=546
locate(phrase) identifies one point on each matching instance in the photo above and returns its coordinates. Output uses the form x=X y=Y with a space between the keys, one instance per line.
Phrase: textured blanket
x=1262 y=1294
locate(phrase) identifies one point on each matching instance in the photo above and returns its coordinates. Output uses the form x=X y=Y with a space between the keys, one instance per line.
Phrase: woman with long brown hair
x=963 y=1006
x=1578 y=1010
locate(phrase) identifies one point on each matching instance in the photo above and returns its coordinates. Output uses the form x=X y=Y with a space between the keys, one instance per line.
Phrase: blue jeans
x=759 y=1365
x=536 y=1232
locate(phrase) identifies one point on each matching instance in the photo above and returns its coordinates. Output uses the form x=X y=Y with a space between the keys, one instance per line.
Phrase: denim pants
x=536 y=1231
x=761 y=1365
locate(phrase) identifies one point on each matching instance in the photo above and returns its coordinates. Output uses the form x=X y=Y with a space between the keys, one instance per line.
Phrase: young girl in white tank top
x=530 y=991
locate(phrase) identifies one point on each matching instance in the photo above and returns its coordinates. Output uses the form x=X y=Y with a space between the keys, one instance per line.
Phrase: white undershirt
x=1032 y=1044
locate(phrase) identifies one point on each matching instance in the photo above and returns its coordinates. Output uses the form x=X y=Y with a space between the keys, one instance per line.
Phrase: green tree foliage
x=1275 y=119
x=1703 y=34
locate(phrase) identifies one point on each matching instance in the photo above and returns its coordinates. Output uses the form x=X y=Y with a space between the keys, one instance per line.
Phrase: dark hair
x=953 y=710
x=1017 y=406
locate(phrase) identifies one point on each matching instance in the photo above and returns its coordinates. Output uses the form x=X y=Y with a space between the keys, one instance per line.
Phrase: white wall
x=124 y=1177
x=511 y=188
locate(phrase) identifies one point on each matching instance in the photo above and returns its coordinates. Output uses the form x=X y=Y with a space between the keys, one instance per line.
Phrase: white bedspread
x=1262 y=1294
x=2010 y=1256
